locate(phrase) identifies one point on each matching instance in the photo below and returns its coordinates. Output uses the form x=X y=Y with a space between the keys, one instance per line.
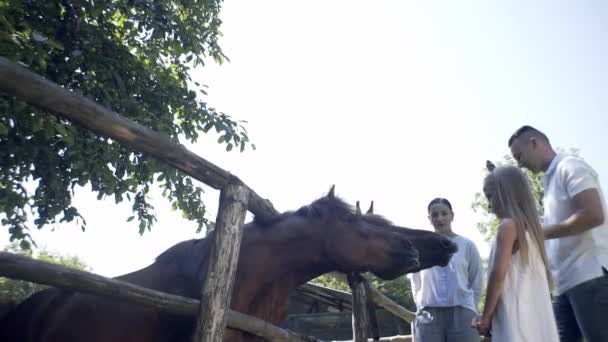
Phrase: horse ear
x=371 y=208
x=490 y=166
x=358 y=208
x=331 y=192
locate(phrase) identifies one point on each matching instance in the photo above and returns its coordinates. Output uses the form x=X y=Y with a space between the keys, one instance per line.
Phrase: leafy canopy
x=132 y=56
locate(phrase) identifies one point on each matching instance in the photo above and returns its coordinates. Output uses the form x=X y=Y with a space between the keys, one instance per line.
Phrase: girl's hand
x=483 y=326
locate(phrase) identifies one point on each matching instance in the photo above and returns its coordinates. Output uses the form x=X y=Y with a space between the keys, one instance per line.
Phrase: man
x=576 y=234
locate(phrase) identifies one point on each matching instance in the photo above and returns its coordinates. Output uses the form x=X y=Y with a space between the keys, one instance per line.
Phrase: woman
x=447 y=297
x=518 y=300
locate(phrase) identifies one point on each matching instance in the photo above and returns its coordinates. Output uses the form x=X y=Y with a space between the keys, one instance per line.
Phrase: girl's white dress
x=524 y=312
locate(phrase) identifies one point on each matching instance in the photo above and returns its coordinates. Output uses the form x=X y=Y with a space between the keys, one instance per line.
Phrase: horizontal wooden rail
x=32 y=88
x=385 y=302
x=24 y=268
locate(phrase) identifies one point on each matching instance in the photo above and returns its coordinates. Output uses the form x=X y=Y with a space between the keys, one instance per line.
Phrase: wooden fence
x=236 y=199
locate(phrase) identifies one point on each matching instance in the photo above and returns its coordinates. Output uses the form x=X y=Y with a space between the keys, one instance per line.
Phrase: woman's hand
x=483 y=326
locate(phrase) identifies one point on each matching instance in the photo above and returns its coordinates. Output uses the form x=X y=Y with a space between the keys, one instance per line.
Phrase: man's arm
x=589 y=214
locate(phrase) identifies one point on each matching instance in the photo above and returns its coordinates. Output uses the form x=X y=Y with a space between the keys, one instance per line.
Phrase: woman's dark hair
x=439 y=200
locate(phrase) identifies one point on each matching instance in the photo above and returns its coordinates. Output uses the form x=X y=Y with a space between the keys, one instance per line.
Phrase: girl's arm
x=475 y=273
x=505 y=240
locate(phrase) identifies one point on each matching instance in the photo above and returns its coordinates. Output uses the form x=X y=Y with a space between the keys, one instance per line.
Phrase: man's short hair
x=528 y=131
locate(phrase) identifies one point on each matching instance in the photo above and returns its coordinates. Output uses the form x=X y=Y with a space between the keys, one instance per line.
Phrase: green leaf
x=208 y=127
x=69 y=138
x=36 y=124
x=61 y=129
x=3 y=129
x=54 y=44
x=25 y=245
x=142 y=227
x=130 y=218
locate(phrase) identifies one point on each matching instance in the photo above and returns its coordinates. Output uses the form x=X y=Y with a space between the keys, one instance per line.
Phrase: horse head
x=360 y=243
x=433 y=249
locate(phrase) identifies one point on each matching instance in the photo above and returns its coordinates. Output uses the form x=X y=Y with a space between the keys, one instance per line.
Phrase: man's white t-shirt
x=577 y=258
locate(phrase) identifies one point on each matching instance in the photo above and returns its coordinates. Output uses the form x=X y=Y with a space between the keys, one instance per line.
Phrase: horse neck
x=179 y=270
x=274 y=262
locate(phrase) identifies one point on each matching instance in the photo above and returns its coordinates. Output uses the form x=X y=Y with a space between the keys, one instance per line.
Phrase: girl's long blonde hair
x=514 y=200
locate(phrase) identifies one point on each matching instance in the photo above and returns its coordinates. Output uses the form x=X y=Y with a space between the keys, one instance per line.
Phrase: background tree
x=398 y=289
x=17 y=290
x=132 y=56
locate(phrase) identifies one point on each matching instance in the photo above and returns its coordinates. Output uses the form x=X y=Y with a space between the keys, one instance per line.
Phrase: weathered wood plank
x=223 y=260
x=361 y=317
x=384 y=301
x=396 y=309
x=24 y=268
x=27 y=86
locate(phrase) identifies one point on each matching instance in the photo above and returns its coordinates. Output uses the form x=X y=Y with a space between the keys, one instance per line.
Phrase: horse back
x=56 y=315
x=23 y=322
x=6 y=307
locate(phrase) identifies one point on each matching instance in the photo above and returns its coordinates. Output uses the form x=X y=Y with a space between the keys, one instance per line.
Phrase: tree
x=132 y=56
x=14 y=291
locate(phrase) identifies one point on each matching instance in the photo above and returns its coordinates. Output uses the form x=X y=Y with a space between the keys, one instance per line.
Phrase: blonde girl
x=518 y=300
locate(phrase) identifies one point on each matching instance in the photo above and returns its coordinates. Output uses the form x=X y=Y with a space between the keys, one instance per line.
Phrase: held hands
x=483 y=326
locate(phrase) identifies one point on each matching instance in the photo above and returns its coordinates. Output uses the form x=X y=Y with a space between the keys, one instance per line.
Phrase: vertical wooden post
x=217 y=288
x=412 y=333
x=360 y=312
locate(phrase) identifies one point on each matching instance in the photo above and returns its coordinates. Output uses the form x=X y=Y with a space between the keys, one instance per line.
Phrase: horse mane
x=324 y=208
x=378 y=220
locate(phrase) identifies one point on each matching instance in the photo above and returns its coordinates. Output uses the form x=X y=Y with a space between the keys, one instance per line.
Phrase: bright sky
x=393 y=101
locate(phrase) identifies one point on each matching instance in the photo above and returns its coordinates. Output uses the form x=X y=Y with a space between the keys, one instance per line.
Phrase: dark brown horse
x=276 y=256
x=6 y=307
